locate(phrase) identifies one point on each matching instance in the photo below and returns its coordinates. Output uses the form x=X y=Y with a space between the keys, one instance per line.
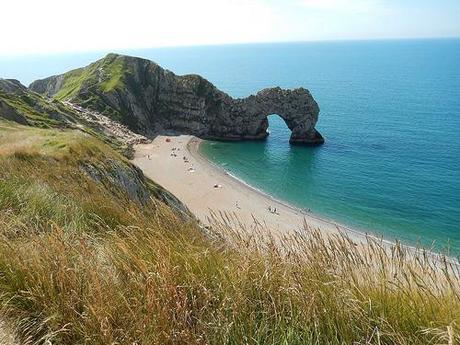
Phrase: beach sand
x=175 y=163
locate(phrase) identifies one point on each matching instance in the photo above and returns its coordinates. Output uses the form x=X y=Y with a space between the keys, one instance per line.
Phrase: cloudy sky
x=50 y=26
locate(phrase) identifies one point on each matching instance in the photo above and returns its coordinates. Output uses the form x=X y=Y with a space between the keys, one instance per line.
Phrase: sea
x=390 y=115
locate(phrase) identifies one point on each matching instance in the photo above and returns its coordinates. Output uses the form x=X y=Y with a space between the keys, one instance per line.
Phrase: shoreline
x=175 y=162
x=196 y=189
x=193 y=147
x=359 y=236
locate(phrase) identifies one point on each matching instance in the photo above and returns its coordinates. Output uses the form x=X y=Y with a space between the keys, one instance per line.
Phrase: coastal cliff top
x=151 y=100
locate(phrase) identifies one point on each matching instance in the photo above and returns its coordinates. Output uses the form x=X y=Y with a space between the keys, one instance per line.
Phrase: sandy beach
x=175 y=163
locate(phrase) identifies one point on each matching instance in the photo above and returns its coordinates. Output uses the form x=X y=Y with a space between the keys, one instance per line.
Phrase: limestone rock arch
x=151 y=100
x=247 y=118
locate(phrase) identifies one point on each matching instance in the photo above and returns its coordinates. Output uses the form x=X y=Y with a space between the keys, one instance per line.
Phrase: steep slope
x=87 y=256
x=18 y=104
x=35 y=132
x=149 y=99
x=68 y=173
x=21 y=105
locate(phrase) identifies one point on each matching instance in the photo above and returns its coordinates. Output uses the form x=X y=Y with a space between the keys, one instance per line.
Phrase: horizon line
x=114 y=50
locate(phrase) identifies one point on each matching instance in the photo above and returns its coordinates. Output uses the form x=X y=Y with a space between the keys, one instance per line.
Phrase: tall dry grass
x=83 y=263
x=170 y=284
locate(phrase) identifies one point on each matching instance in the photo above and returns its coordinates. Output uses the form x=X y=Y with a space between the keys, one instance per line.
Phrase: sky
x=55 y=26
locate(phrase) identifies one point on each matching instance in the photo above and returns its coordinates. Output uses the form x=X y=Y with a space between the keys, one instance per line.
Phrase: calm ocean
x=390 y=114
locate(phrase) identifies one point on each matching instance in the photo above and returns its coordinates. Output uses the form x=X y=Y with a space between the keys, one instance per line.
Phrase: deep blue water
x=390 y=114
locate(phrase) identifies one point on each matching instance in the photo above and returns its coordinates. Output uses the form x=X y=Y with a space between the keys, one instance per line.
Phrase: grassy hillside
x=92 y=252
x=90 y=85
x=89 y=255
x=46 y=167
x=20 y=105
x=133 y=91
x=32 y=109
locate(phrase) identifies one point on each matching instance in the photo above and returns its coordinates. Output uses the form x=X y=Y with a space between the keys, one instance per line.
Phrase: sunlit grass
x=82 y=262
x=169 y=283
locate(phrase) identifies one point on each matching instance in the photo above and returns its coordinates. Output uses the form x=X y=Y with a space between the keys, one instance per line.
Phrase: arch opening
x=277 y=128
x=298 y=132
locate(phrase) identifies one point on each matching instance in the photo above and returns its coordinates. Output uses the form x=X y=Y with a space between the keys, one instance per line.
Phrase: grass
x=108 y=72
x=34 y=108
x=98 y=84
x=71 y=179
x=72 y=83
x=86 y=85
x=41 y=113
x=82 y=261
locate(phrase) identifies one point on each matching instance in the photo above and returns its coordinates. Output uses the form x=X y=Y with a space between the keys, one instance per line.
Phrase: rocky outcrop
x=149 y=99
x=297 y=108
x=11 y=86
x=8 y=112
x=117 y=175
x=104 y=124
x=49 y=86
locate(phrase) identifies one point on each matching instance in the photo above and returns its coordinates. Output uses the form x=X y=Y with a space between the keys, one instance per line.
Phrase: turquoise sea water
x=390 y=114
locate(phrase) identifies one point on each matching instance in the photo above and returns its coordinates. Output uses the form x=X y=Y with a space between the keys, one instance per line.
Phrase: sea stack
x=151 y=100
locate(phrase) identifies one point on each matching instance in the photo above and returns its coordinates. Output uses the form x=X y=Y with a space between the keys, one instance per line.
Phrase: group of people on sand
x=273 y=210
x=173 y=151
x=185 y=159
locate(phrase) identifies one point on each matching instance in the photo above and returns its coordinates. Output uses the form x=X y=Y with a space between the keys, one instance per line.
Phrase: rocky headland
x=150 y=100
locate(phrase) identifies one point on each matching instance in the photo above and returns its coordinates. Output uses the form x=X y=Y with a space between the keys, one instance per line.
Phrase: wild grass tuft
x=169 y=283
x=82 y=262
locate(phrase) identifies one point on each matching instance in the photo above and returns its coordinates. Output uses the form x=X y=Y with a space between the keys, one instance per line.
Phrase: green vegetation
x=37 y=111
x=44 y=166
x=108 y=72
x=86 y=86
x=115 y=72
x=86 y=257
x=92 y=252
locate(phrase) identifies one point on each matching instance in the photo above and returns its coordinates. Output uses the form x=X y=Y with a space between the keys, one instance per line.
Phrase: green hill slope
x=150 y=100
x=92 y=252
x=19 y=104
x=68 y=175
x=98 y=86
x=23 y=106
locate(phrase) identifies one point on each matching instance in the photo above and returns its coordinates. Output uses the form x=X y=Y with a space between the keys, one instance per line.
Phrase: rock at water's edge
x=149 y=99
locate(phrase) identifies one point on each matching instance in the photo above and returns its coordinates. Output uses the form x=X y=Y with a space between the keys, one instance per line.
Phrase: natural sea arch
x=296 y=107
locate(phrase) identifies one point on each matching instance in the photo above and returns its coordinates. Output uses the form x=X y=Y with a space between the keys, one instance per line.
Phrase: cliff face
x=150 y=99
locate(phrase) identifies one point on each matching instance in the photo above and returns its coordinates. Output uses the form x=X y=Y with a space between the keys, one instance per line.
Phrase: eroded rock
x=149 y=99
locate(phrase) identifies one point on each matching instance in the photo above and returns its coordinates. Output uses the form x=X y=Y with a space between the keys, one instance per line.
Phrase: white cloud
x=57 y=25
x=347 y=6
x=48 y=26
